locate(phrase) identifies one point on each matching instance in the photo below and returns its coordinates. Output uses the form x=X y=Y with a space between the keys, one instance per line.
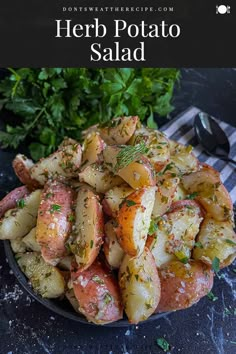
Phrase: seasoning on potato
x=127 y=223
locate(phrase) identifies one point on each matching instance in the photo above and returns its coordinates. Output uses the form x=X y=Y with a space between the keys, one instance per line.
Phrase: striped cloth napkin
x=181 y=130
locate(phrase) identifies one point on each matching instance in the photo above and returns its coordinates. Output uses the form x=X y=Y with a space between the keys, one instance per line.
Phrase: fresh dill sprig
x=129 y=154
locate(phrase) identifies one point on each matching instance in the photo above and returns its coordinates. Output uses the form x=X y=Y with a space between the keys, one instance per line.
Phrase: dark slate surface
x=208 y=327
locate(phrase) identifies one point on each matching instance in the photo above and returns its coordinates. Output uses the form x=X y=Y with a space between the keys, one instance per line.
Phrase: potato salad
x=124 y=223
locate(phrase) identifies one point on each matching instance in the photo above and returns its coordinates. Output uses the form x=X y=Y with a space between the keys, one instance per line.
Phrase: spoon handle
x=230 y=160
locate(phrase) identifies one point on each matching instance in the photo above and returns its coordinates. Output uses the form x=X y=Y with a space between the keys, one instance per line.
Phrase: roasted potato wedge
x=97 y=293
x=167 y=186
x=100 y=178
x=45 y=279
x=182 y=285
x=112 y=250
x=91 y=149
x=54 y=222
x=17 y=245
x=11 y=199
x=114 y=197
x=182 y=160
x=210 y=193
x=88 y=229
x=64 y=162
x=119 y=131
x=30 y=241
x=157 y=143
x=22 y=166
x=140 y=286
x=137 y=174
x=216 y=239
x=134 y=220
x=19 y=221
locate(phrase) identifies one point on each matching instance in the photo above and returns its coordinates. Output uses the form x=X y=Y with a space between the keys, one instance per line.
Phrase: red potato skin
x=10 y=200
x=23 y=173
x=179 y=204
x=91 y=287
x=53 y=227
x=182 y=285
x=106 y=208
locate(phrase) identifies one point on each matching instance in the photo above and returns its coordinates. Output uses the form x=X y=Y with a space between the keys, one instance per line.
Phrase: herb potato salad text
x=129 y=221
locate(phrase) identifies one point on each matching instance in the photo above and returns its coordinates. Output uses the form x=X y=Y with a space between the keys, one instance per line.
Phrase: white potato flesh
x=91 y=149
x=157 y=244
x=30 y=241
x=18 y=222
x=88 y=229
x=134 y=220
x=17 y=245
x=140 y=286
x=64 y=162
x=210 y=193
x=120 y=130
x=157 y=143
x=216 y=239
x=112 y=249
x=22 y=166
x=167 y=186
x=100 y=178
x=114 y=197
x=180 y=193
x=45 y=279
x=182 y=160
x=183 y=226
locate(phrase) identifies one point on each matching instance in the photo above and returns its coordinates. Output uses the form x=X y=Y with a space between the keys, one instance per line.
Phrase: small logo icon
x=222 y=9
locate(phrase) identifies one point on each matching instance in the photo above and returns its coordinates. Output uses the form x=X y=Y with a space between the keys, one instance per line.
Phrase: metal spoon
x=212 y=137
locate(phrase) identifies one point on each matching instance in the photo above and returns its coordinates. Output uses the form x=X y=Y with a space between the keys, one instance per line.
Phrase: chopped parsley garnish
x=55 y=207
x=152 y=228
x=130 y=202
x=211 y=296
x=198 y=244
x=20 y=203
x=163 y=344
x=107 y=298
x=230 y=242
x=48 y=195
x=71 y=218
x=91 y=244
x=216 y=265
x=192 y=196
x=168 y=167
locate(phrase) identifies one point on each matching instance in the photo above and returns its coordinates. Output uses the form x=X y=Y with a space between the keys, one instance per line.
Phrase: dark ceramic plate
x=61 y=307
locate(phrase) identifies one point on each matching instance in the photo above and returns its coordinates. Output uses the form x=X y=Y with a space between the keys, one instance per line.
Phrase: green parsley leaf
x=52 y=103
x=163 y=344
x=216 y=265
x=192 y=196
x=20 y=203
x=211 y=296
x=198 y=244
x=230 y=242
x=55 y=207
x=152 y=228
x=129 y=202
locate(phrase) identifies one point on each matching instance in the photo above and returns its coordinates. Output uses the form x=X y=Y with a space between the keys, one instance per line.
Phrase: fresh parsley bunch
x=52 y=103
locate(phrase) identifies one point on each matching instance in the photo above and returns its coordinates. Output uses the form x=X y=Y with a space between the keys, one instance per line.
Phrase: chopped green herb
x=216 y=265
x=91 y=244
x=128 y=154
x=55 y=207
x=168 y=167
x=48 y=195
x=130 y=202
x=148 y=306
x=184 y=260
x=71 y=218
x=20 y=203
x=136 y=276
x=211 y=296
x=152 y=228
x=230 y=242
x=97 y=279
x=192 y=196
x=198 y=244
x=163 y=344
x=107 y=298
